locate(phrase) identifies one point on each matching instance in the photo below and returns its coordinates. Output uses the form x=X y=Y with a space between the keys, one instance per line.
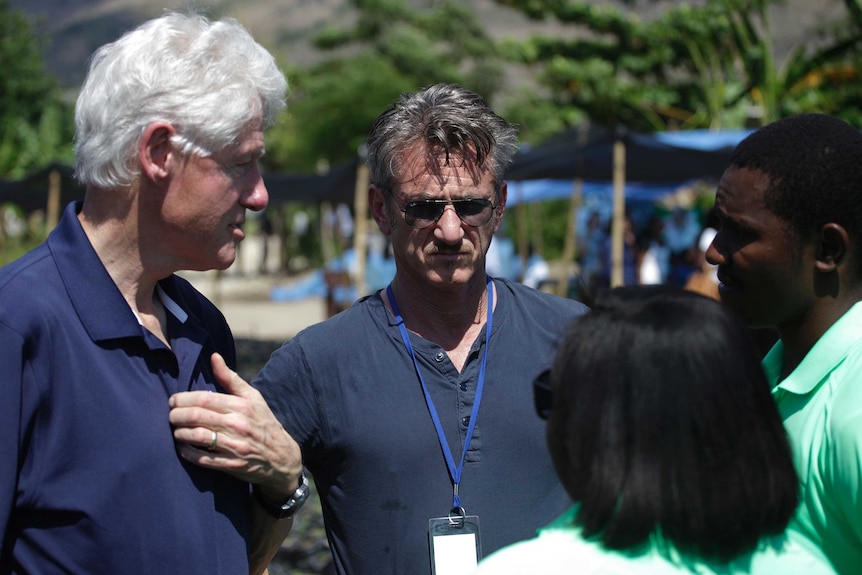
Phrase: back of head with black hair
x=663 y=423
x=813 y=162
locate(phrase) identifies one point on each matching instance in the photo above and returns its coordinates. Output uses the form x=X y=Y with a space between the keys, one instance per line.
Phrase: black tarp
x=337 y=186
x=587 y=152
x=31 y=192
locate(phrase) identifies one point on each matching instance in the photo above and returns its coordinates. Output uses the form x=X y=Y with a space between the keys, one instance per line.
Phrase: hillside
x=77 y=27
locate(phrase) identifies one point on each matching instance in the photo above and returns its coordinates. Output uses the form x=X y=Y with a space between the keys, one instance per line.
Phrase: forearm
x=272 y=521
x=267 y=535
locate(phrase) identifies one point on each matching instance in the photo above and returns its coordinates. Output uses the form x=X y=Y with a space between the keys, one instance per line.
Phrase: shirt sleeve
x=11 y=360
x=287 y=384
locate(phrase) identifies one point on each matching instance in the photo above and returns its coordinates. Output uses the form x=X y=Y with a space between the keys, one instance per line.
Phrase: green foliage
x=330 y=110
x=610 y=70
x=37 y=125
x=392 y=48
x=442 y=43
x=538 y=117
x=551 y=222
x=25 y=146
x=694 y=66
x=24 y=85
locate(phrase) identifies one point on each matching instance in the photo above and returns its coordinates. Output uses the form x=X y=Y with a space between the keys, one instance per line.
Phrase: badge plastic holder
x=454 y=543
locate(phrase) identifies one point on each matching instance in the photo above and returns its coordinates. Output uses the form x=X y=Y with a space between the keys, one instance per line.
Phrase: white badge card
x=455 y=545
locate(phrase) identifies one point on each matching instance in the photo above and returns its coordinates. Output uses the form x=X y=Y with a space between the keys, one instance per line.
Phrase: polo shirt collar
x=829 y=351
x=102 y=309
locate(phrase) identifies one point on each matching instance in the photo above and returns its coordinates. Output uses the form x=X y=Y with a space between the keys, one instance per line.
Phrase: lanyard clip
x=457 y=516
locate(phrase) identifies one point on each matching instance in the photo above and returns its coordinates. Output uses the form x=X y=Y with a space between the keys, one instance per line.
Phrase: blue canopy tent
x=596 y=158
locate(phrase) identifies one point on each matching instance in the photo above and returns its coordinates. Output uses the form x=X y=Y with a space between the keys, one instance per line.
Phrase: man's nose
x=713 y=256
x=257 y=198
x=449 y=227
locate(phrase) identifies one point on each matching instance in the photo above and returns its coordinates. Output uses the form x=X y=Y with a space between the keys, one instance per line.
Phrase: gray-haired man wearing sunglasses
x=413 y=408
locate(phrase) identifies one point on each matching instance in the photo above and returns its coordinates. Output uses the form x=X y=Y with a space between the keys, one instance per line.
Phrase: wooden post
x=536 y=228
x=570 y=243
x=3 y=232
x=618 y=224
x=327 y=242
x=570 y=251
x=53 y=209
x=360 y=229
x=522 y=217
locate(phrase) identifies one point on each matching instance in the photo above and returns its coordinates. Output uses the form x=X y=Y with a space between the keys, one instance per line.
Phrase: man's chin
x=731 y=298
x=447 y=279
x=750 y=314
x=222 y=261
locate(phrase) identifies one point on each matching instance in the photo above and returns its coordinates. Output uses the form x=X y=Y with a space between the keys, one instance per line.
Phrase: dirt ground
x=245 y=301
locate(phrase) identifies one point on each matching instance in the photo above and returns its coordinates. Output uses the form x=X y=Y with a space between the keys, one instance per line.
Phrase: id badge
x=455 y=545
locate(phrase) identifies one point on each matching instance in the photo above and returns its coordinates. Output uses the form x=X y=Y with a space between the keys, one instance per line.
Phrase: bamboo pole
x=570 y=243
x=522 y=218
x=360 y=229
x=618 y=223
x=53 y=208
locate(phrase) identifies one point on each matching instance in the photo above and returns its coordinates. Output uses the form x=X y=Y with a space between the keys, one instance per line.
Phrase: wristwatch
x=283 y=510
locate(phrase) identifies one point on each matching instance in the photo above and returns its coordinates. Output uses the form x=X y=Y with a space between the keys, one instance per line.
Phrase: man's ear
x=378 y=206
x=832 y=247
x=155 y=151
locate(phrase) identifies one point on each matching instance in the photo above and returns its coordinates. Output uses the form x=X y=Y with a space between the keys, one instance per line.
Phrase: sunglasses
x=423 y=213
x=543 y=397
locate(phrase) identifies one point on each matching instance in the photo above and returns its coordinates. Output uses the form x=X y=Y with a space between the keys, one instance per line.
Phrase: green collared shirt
x=821 y=405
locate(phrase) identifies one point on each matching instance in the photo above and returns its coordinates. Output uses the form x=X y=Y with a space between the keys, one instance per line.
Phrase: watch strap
x=291 y=506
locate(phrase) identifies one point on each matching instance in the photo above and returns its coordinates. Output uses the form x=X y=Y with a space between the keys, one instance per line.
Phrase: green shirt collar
x=830 y=350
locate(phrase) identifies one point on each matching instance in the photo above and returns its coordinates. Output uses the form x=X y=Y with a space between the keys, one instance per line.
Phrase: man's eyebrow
x=255 y=153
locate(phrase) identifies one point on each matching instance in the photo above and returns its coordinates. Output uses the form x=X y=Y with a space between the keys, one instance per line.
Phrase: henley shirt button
x=440 y=355
x=465 y=421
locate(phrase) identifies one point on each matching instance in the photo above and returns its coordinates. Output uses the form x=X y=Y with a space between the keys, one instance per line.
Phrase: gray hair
x=210 y=80
x=446 y=118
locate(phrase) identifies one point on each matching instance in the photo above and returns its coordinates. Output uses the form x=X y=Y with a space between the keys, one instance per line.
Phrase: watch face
x=291 y=506
x=300 y=495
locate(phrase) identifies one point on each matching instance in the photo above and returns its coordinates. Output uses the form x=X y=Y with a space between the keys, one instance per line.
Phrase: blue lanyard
x=454 y=472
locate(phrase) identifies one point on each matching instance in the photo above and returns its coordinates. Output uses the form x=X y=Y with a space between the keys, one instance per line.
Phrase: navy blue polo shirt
x=91 y=481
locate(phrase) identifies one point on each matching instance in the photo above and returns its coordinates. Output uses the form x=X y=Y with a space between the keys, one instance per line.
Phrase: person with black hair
x=663 y=431
x=787 y=249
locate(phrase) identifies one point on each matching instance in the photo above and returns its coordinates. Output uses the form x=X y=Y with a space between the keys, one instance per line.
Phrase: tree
x=444 y=43
x=37 y=124
x=693 y=66
x=798 y=83
x=392 y=48
x=330 y=110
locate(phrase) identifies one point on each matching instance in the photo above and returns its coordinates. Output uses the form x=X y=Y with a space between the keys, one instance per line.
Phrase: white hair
x=210 y=80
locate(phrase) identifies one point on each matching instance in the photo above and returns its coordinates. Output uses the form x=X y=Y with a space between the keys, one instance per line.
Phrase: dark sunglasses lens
x=473 y=212
x=423 y=213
